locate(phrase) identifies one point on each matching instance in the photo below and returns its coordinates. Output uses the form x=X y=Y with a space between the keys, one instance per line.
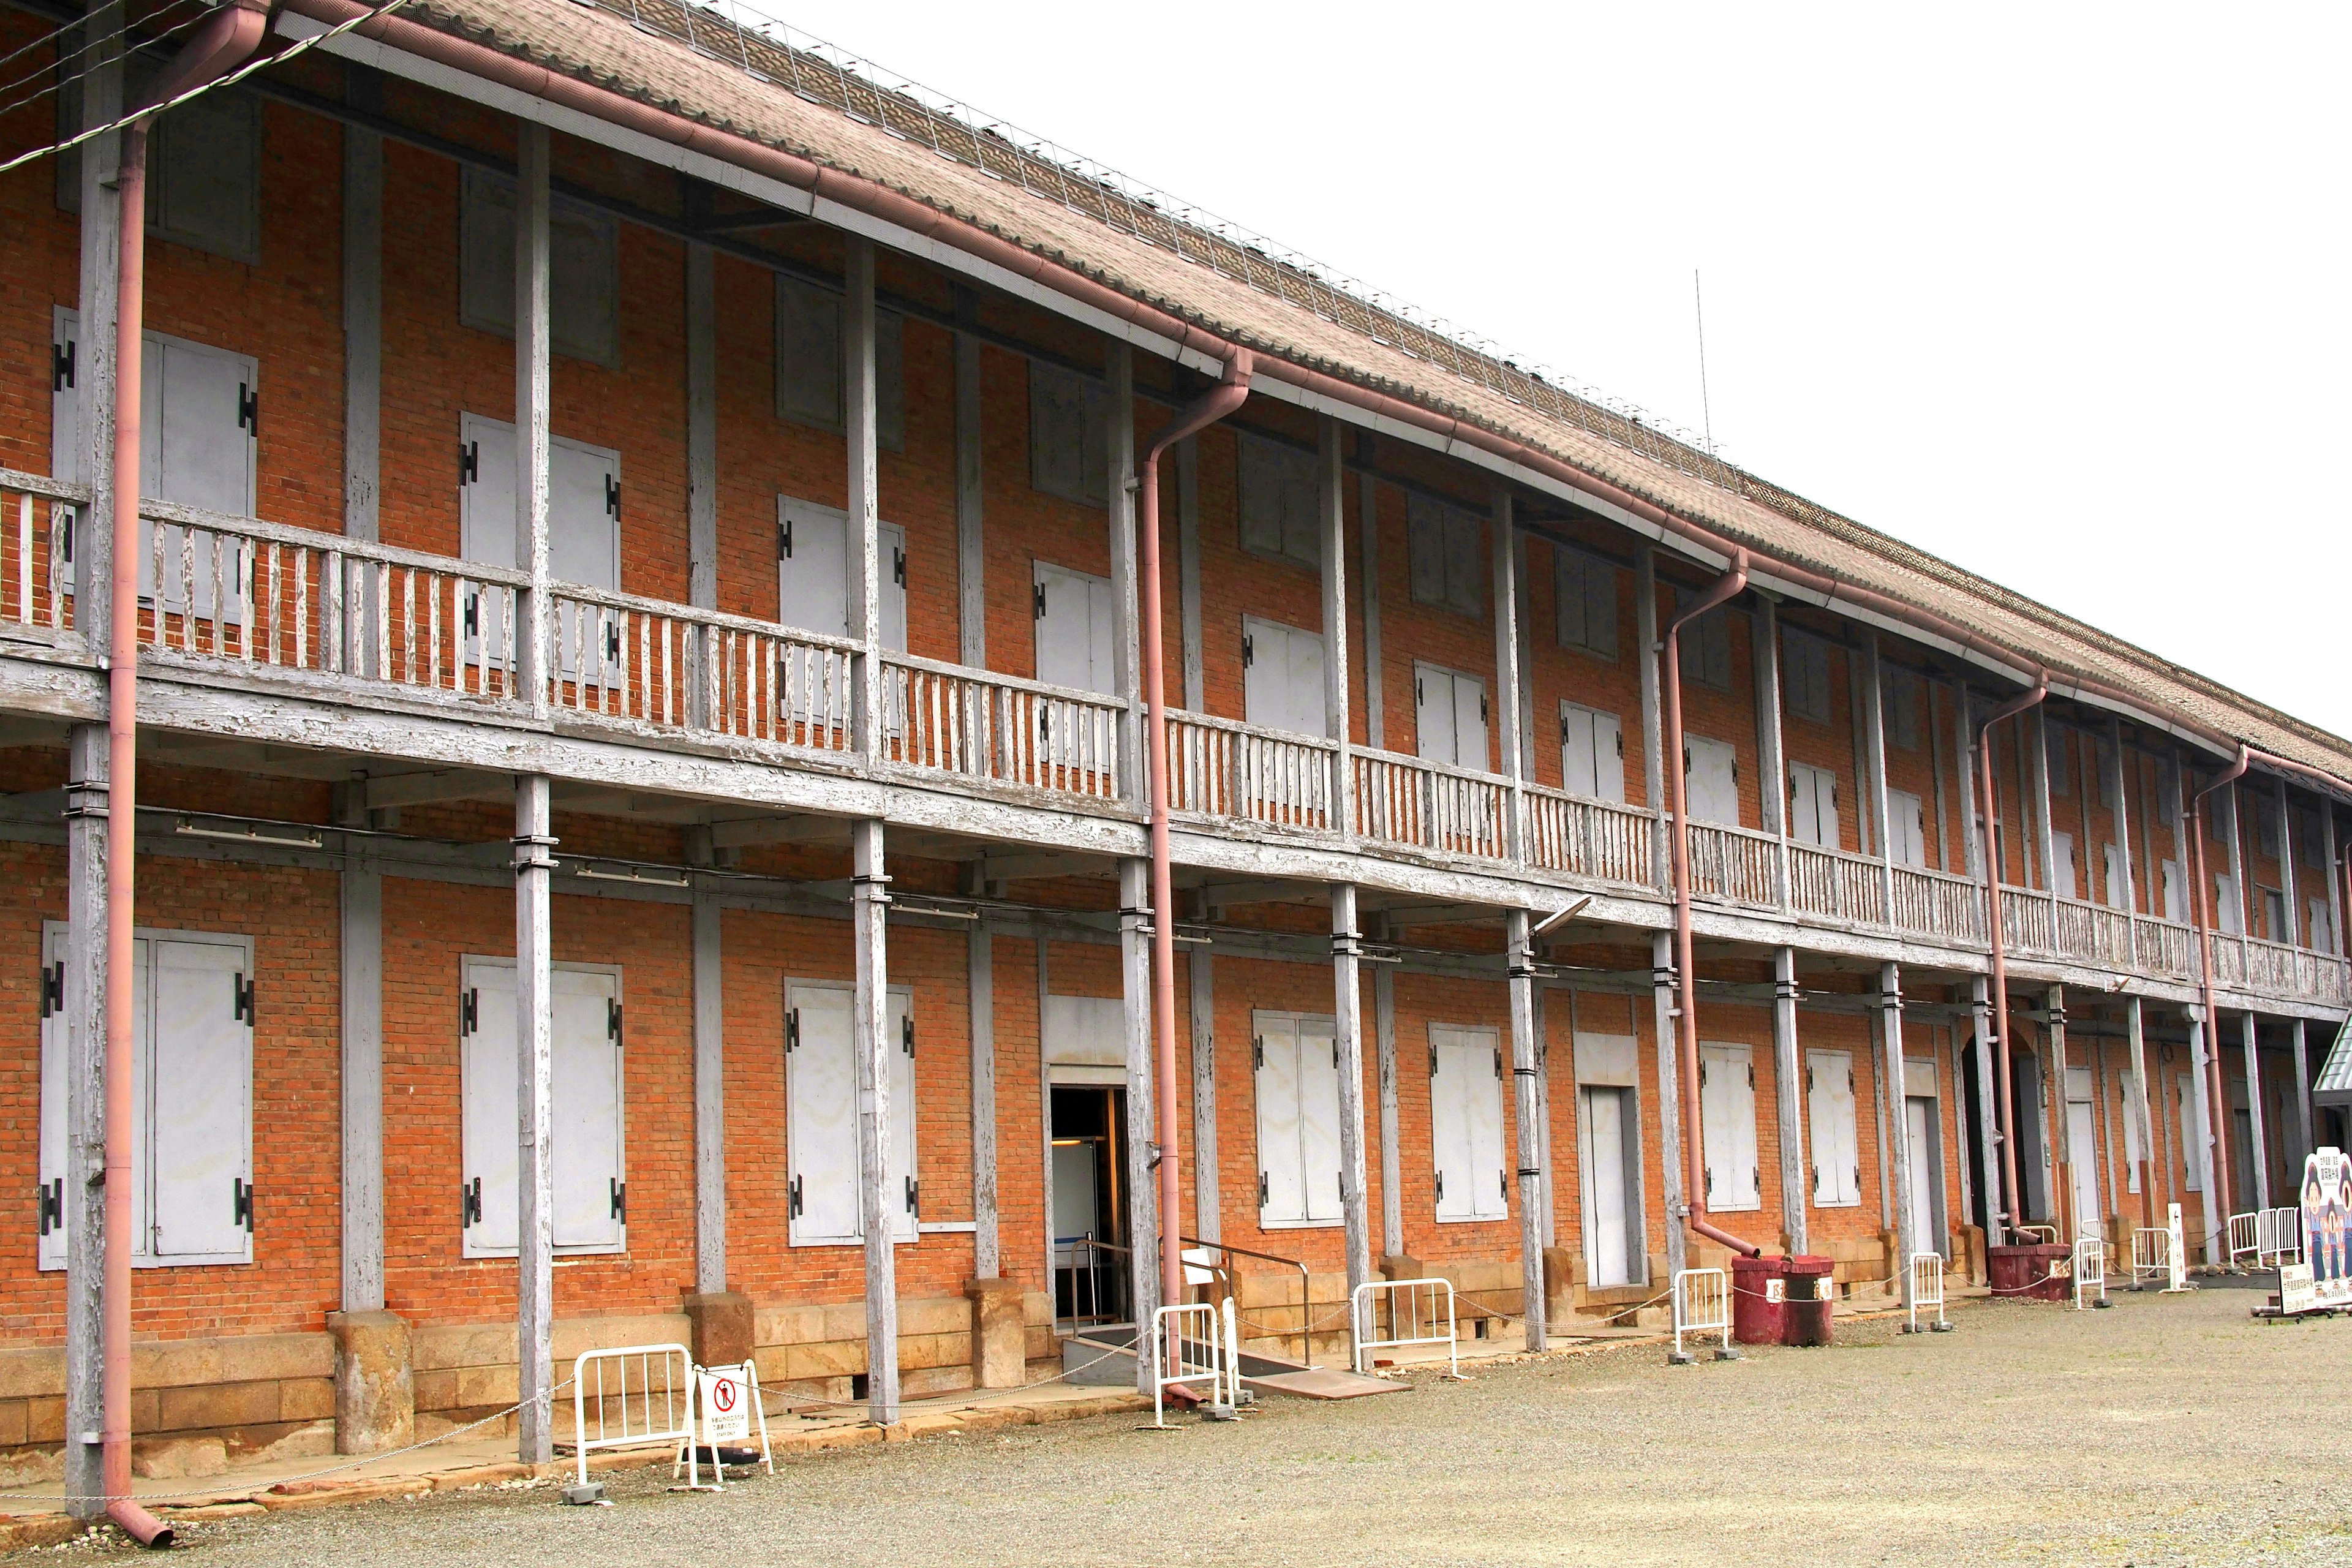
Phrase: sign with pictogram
x=726 y=1406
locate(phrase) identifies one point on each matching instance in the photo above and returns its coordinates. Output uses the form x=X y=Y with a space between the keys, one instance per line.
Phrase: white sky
x=2057 y=292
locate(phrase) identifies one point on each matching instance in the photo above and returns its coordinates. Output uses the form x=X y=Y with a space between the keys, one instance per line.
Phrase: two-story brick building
x=644 y=767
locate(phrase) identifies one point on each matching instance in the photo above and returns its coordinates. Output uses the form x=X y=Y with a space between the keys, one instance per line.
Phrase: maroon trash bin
x=1812 y=1292
x=1756 y=1301
x=2038 y=1271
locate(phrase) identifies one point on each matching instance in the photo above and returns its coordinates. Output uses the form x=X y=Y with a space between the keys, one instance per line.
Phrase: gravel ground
x=2166 y=1430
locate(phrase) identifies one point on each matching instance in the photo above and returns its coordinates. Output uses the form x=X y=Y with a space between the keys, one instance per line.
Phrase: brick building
x=789 y=761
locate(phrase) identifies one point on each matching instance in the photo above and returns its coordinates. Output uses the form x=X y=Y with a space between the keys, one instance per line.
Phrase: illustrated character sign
x=2327 y=1216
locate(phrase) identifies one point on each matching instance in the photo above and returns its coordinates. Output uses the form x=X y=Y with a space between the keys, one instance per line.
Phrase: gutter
x=2010 y=1193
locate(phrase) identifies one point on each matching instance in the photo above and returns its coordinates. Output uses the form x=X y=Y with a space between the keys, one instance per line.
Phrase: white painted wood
x=1208 y=1201
x=1813 y=805
x=979 y=962
x=1713 y=767
x=2036 y=733
x=363 y=328
x=1450 y=717
x=1911 y=1237
x=1789 y=1091
x=1771 y=763
x=1728 y=1126
x=865 y=562
x=1348 y=1030
x=872 y=1040
x=1663 y=984
x=1188 y=575
x=534 y=1038
x=1529 y=1143
x=2290 y=904
x=1873 y=732
x=1988 y=1119
x=362 y=950
x=2336 y=943
x=1286 y=678
x=1466 y=1108
x=1878 y=1095
x=1143 y=1124
x=1964 y=758
x=2310 y=1139
x=1078 y=631
x=1942 y=798
x=1508 y=676
x=1548 y=1225
x=701 y=427
x=709 y=1096
x=1368 y=525
x=1331 y=518
x=972 y=547
x=2258 y=1149
x=1045 y=1101
x=1835 y=1139
x=1295 y=1080
x=82 y=1198
x=1118 y=453
x=1391 y=1159
x=533 y=545
x=1592 y=752
x=1907 y=829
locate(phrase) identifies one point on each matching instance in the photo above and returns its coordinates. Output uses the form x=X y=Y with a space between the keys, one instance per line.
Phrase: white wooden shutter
x=821 y=1116
x=1466 y=562
x=2111 y=877
x=1584 y=601
x=902 y=1180
x=1836 y=1145
x=204 y=175
x=487 y=504
x=1491 y=1182
x=1807 y=788
x=1282 y=677
x=1076 y=629
x=2131 y=1131
x=2062 y=865
x=1282 y=1187
x=1318 y=1120
x=1277 y=501
x=1728 y=1115
x=1069 y=415
x=200 y=1075
x=489 y=1081
x=1907 y=827
x=50 y=1214
x=584 y=269
x=1466 y=1109
x=2184 y=1111
x=1426 y=549
x=2322 y=935
x=2176 y=902
x=1432 y=713
x=1712 y=789
x=590 y=1208
x=1805 y=672
x=1470 y=724
x=2228 y=910
x=1592 y=752
x=583 y=514
x=813 y=575
x=808 y=353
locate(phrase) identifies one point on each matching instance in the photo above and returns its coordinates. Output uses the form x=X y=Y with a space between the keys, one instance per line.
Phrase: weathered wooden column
x=872 y=696
x=2135 y=1037
x=1331 y=514
x=1521 y=953
x=361 y=958
x=1348 y=1028
x=2336 y=943
x=701 y=431
x=1772 y=767
x=979 y=975
x=1188 y=574
x=2288 y=907
x=1391 y=1159
x=1367 y=527
x=536 y=627
x=1208 y=1199
x=2303 y=1097
x=2198 y=1161
x=2118 y=788
x=1127 y=642
x=2060 y=1144
x=880 y=1171
x=709 y=1096
x=1987 y=1111
x=1874 y=734
x=1788 y=1075
x=1144 y=1218
x=1508 y=656
x=534 y=868
x=1663 y=981
x=2258 y=1143
x=1653 y=773
x=972 y=546
x=1907 y=1239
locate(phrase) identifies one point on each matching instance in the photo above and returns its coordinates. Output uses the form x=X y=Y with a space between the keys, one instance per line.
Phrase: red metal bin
x=2040 y=1271
x=1757 y=1298
x=1812 y=1294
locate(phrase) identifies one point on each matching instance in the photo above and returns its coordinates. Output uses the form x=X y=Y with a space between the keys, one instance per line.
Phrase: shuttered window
x=1465 y=1116
x=1901 y=689
x=1813 y=806
x=1906 y=829
x=1592 y=753
x=823 y=1110
x=1805 y=672
x=584 y=269
x=583 y=504
x=201 y=412
x=1282 y=677
x=588 y=1207
x=1279 y=492
x=1705 y=643
x=2058 y=745
x=203 y=167
x=813 y=575
x=1297 y=1084
x=1836 y=1141
x=1450 y=717
x=1446 y=548
x=1711 y=780
x=193 y=999
x=1726 y=1080
x=1584 y=601
x=1069 y=434
x=1077 y=628
x=811 y=367
x=2062 y=866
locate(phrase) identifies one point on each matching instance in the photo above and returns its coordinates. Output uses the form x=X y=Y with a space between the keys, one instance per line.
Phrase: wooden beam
x=385 y=792
x=1026 y=867
x=743 y=832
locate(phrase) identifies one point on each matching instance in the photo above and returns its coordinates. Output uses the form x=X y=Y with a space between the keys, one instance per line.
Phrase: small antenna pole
x=1698 y=303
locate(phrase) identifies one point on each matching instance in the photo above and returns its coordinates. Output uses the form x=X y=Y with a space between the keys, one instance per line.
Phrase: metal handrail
x=1092 y=1272
x=1306 y=1287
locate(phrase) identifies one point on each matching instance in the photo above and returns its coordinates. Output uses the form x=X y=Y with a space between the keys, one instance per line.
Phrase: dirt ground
x=2166 y=1430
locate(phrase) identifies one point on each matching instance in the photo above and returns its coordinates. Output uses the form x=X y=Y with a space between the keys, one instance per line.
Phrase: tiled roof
x=691 y=61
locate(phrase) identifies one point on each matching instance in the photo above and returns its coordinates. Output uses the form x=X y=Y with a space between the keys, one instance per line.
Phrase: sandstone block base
x=998 y=1332
x=375 y=1382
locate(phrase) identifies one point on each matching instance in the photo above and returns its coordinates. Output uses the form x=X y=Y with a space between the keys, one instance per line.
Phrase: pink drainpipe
x=1199 y=413
x=226 y=41
x=1726 y=588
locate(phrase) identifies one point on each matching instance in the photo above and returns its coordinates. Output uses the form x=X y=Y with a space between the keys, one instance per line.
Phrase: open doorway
x=1091 y=1283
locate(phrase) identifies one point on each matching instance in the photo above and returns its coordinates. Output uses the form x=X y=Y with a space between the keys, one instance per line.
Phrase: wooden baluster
x=433 y=630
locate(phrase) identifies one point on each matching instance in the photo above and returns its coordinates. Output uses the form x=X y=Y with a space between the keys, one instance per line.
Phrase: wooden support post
x=2289 y=908
x=1662 y=981
x=1044 y=1110
x=1392 y=1160
x=1988 y=1106
x=362 y=950
x=1943 y=791
x=1347 y=1035
x=2061 y=1131
x=1127 y=644
x=701 y=428
x=85 y=1191
x=1772 y=768
x=972 y=548
x=859 y=423
x=1868 y=841
x=2198 y=1161
x=979 y=967
x=2303 y=1094
x=2033 y=733
x=362 y=314
x=1507 y=675
x=1188 y=572
x=1528 y=1145
x=1964 y=756
x=536 y=631
x=2135 y=1040
x=881 y=1171
x=1788 y=1073
x=2119 y=787
x=2258 y=1143
x=1144 y=1218
x=1653 y=773
x=2226 y=816
x=1547 y=1222
x=1898 y=1147
x=1368 y=524
x=2106 y=1130
x=1208 y=1200
x=710 y=1097
x=2335 y=883
x=1954 y=1036
x=534 y=868
x=1879 y=1096
x=1873 y=732
x=103 y=102
x=1330 y=496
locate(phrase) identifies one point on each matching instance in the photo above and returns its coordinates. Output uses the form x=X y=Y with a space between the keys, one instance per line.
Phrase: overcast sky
x=2058 y=293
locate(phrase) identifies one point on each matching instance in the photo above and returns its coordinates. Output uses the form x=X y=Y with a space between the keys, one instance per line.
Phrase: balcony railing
x=219 y=591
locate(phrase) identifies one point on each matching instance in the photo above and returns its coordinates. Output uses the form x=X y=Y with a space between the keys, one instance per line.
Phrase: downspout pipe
x=2014 y=1207
x=1724 y=589
x=2213 y=1100
x=1228 y=395
x=227 y=40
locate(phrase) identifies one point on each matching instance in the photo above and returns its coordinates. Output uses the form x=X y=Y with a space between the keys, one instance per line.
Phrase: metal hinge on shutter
x=1857 y=1176
x=1335 y=1055
x=1482 y=708
x=613 y=1019
x=1751 y=1075
x=470 y=1202
x=241 y=991
x=613 y=641
x=1498 y=1062
x=241 y=1203
x=1809 y=1080
x=53 y=988
x=1433 y=1062
x=618 y=1191
x=907 y=1035
x=1249 y=650
x=1503 y=1182
x=1621 y=745
x=1261 y=1189
x=797 y=1197
x=1849 y=1081
x=1417 y=696
x=248 y=409
x=1037 y=601
x=469 y=1002
x=612 y=497
x=1441 y=1186
x=784 y=540
x=469 y=461
x=791 y=1034
x=472 y=614
x=1755 y=1179
x=61 y=366
x=899 y=567
x=1816 y=1172
x=1259 y=1052
x=53 y=1206
x=1708 y=1175
x=914 y=1196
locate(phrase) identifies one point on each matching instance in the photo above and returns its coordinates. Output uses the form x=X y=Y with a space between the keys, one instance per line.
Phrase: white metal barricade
x=1412 y=1319
x=2151 y=1253
x=1188 y=1345
x=2278 y=1236
x=2090 y=1270
x=1927 y=1289
x=1702 y=1306
x=2245 y=1237
x=642 y=1394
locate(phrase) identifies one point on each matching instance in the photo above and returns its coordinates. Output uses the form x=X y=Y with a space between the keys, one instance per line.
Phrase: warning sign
x=726 y=1406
